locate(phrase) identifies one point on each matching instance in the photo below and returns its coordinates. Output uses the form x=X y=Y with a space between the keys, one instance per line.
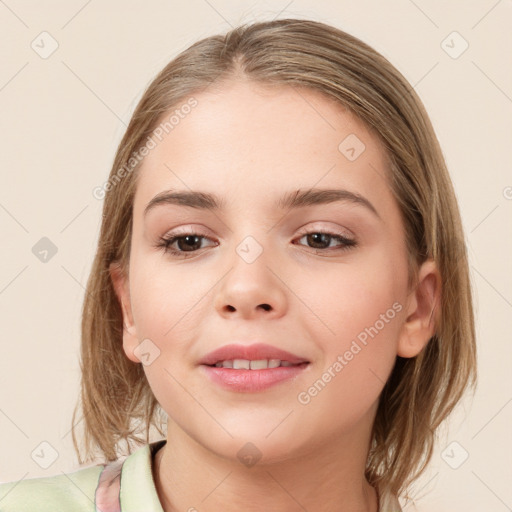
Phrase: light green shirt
x=76 y=491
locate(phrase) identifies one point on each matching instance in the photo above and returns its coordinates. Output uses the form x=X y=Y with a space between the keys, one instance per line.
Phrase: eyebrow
x=291 y=200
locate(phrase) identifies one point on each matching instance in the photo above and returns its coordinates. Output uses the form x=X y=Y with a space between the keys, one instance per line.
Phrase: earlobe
x=120 y=283
x=423 y=311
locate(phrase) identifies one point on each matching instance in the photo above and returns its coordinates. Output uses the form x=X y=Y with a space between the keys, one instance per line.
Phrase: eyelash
x=165 y=243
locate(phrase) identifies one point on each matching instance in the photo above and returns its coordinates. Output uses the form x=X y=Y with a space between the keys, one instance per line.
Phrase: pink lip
x=251 y=380
x=251 y=353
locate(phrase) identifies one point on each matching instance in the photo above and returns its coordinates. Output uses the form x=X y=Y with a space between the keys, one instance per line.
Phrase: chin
x=253 y=445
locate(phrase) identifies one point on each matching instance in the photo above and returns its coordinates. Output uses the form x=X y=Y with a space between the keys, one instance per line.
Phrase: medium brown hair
x=116 y=400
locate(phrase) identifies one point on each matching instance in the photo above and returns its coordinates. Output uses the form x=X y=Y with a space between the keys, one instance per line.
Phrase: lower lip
x=252 y=380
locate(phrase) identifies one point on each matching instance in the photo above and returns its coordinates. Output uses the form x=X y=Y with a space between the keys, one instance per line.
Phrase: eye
x=185 y=242
x=191 y=242
x=321 y=240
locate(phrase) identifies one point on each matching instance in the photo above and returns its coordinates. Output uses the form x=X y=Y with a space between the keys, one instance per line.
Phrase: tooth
x=259 y=364
x=241 y=364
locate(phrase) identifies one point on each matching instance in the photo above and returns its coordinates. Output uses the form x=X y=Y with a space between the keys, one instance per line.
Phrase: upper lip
x=253 y=352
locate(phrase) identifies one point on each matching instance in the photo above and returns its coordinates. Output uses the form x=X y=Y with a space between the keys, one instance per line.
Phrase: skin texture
x=250 y=145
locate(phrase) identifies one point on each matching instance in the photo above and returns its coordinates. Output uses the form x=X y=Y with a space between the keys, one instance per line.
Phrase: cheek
x=166 y=302
x=168 y=306
x=349 y=299
x=361 y=314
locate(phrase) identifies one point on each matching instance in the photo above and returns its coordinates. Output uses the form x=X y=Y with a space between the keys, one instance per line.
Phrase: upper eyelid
x=187 y=230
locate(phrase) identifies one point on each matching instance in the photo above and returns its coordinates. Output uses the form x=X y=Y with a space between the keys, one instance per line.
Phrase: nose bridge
x=253 y=237
x=251 y=261
x=252 y=248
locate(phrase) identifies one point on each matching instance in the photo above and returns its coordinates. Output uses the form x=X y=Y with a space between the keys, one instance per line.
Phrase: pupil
x=315 y=238
x=190 y=240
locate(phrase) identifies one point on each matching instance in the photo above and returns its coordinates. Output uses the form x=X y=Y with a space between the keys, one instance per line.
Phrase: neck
x=330 y=478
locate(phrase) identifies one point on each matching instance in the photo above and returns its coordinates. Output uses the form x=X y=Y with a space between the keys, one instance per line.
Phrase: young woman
x=281 y=273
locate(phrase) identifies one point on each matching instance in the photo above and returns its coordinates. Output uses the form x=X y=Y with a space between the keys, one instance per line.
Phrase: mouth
x=256 y=356
x=252 y=368
x=256 y=364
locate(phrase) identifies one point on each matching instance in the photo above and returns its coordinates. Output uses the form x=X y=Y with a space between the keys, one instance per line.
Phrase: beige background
x=61 y=120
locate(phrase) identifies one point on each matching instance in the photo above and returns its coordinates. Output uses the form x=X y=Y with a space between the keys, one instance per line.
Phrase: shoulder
x=67 y=491
x=76 y=491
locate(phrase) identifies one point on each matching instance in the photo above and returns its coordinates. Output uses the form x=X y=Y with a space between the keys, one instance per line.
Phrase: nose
x=251 y=289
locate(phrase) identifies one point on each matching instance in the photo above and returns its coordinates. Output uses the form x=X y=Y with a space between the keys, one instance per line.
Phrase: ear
x=121 y=287
x=423 y=311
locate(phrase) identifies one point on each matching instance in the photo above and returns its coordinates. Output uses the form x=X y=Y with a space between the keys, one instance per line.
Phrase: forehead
x=247 y=142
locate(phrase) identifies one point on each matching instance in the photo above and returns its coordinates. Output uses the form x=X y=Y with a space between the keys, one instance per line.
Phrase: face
x=323 y=280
